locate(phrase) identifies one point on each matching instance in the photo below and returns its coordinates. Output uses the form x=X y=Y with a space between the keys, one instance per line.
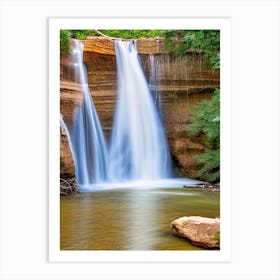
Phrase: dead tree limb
x=111 y=38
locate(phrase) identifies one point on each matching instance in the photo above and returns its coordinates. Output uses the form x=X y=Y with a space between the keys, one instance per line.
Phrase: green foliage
x=117 y=33
x=181 y=150
x=211 y=168
x=172 y=95
x=65 y=36
x=82 y=34
x=132 y=34
x=179 y=42
x=205 y=120
x=217 y=237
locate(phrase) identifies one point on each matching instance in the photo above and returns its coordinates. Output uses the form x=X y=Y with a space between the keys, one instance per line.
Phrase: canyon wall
x=181 y=82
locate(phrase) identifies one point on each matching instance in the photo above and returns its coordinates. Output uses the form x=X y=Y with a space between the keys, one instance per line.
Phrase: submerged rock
x=201 y=231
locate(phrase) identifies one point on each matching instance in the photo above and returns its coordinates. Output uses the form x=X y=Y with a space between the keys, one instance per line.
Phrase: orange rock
x=67 y=169
x=150 y=45
x=98 y=44
x=103 y=45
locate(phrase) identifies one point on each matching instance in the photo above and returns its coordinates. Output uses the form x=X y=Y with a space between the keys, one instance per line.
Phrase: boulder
x=201 y=231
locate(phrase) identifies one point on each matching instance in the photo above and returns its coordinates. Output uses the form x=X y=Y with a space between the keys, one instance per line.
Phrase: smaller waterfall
x=154 y=79
x=89 y=147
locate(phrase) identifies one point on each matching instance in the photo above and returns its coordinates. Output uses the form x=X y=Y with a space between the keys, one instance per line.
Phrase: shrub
x=172 y=95
x=65 y=36
x=207 y=42
x=217 y=237
x=205 y=119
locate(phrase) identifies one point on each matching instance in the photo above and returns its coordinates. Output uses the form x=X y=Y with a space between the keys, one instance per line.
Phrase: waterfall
x=138 y=154
x=89 y=147
x=154 y=79
x=139 y=149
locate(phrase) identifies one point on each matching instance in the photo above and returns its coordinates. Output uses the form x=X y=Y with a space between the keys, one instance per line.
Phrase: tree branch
x=69 y=186
x=111 y=38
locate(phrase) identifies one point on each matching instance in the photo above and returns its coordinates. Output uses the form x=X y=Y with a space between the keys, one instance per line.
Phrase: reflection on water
x=131 y=219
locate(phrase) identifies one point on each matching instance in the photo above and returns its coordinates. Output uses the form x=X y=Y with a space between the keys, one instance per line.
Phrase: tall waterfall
x=89 y=147
x=139 y=149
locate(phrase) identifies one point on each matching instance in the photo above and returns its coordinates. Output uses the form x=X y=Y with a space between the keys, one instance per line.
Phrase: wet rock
x=207 y=186
x=99 y=44
x=201 y=231
x=67 y=168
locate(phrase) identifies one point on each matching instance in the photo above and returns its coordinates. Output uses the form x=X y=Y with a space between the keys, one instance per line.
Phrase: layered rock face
x=105 y=46
x=181 y=83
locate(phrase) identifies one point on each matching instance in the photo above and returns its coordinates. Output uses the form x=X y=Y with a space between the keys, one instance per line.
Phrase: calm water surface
x=131 y=219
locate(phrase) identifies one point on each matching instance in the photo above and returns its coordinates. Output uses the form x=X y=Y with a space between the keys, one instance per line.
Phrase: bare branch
x=111 y=38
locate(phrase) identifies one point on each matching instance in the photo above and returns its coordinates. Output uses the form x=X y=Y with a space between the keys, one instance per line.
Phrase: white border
x=255 y=139
x=55 y=255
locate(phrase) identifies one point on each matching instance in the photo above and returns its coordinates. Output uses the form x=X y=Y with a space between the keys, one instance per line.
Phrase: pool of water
x=132 y=218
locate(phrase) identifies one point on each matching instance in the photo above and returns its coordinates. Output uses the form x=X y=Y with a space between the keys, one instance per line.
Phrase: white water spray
x=139 y=149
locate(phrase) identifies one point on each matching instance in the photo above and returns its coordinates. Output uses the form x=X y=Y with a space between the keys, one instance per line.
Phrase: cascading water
x=154 y=81
x=139 y=149
x=89 y=147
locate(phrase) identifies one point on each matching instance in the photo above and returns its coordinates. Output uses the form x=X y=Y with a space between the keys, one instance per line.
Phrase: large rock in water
x=201 y=231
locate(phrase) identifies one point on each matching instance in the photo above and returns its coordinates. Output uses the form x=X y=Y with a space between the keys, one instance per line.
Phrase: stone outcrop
x=67 y=169
x=182 y=82
x=201 y=231
x=103 y=45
